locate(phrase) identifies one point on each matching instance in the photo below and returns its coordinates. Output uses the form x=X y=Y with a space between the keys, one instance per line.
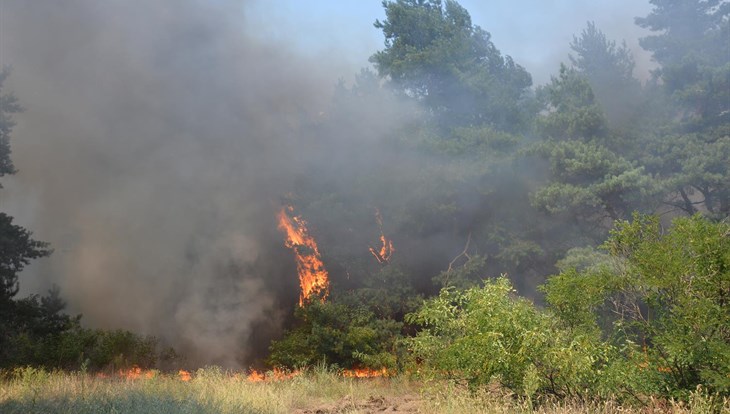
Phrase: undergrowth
x=213 y=390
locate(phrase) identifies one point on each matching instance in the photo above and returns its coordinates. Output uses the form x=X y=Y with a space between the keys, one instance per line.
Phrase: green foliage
x=591 y=181
x=118 y=349
x=334 y=333
x=693 y=170
x=572 y=111
x=387 y=294
x=17 y=249
x=667 y=291
x=689 y=151
x=8 y=106
x=688 y=29
x=469 y=274
x=608 y=68
x=593 y=175
x=435 y=54
x=648 y=317
x=480 y=335
x=69 y=346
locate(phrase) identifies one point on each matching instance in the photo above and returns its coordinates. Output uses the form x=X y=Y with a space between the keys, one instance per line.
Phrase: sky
x=536 y=33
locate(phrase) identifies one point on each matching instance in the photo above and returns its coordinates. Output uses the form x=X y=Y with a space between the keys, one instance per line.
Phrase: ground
x=373 y=404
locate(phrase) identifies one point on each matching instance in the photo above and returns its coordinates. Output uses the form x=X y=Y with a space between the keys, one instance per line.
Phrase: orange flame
x=313 y=277
x=136 y=373
x=275 y=375
x=255 y=376
x=184 y=375
x=365 y=373
x=386 y=250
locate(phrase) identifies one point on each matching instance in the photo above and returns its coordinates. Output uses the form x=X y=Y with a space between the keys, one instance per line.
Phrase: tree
x=690 y=155
x=8 y=106
x=17 y=248
x=571 y=110
x=609 y=70
x=435 y=54
x=694 y=29
x=589 y=177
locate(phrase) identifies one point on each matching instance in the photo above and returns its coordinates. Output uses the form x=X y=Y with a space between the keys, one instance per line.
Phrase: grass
x=316 y=391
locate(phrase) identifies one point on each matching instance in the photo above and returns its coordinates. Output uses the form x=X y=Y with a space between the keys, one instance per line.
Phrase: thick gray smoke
x=156 y=143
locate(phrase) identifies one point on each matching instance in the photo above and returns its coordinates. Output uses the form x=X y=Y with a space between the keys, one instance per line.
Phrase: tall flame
x=386 y=248
x=313 y=277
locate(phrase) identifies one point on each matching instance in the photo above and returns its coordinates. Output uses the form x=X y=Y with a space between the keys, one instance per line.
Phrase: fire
x=386 y=250
x=313 y=277
x=184 y=375
x=255 y=376
x=365 y=373
x=280 y=375
x=136 y=373
x=276 y=375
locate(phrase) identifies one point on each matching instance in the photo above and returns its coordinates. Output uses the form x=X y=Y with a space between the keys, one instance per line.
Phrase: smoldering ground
x=156 y=142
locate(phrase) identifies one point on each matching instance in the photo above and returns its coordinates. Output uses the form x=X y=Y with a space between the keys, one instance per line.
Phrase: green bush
x=335 y=333
x=663 y=298
x=487 y=334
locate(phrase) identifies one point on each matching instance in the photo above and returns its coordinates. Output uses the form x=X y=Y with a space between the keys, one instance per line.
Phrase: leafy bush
x=663 y=297
x=95 y=349
x=651 y=316
x=335 y=333
x=488 y=334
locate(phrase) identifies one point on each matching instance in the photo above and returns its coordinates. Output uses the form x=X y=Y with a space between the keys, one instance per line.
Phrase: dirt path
x=374 y=404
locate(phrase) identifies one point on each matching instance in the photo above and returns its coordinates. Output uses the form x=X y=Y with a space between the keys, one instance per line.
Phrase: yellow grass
x=317 y=391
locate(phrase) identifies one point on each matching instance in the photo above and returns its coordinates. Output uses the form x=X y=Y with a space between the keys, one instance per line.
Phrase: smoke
x=159 y=141
x=156 y=143
x=538 y=33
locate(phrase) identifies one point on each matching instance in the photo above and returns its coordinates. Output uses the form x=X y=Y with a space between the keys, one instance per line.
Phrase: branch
x=462 y=254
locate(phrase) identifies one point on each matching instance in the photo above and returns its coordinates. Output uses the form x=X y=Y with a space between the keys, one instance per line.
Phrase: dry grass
x=317 y=391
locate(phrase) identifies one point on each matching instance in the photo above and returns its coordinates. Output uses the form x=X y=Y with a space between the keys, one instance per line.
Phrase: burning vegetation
x=136 y=373
x=313 y=277
x=386 y=245
x=446 y=134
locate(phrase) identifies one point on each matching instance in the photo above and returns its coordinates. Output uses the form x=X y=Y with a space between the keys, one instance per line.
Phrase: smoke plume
x=157 y=140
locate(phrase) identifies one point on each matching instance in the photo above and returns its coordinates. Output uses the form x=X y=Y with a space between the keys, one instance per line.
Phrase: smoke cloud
x=160 y=141
x=156 y=144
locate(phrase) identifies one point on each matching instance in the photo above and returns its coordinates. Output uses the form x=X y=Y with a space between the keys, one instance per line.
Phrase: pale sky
x=536 y=33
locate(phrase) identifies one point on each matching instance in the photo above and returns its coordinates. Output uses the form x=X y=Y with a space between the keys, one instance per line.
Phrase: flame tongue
x=313 y=277
x=365 y=373
x=135 y=373
x=386 y=249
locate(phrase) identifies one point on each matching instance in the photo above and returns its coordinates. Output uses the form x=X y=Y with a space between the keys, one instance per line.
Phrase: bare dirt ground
x=373 y=404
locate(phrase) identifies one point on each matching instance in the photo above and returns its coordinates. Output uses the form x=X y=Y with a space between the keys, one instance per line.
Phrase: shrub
x=335 y=333
x=488 y=334
x=663 y=298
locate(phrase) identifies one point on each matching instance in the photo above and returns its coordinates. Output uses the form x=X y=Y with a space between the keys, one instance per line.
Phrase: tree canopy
x=435 y=54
